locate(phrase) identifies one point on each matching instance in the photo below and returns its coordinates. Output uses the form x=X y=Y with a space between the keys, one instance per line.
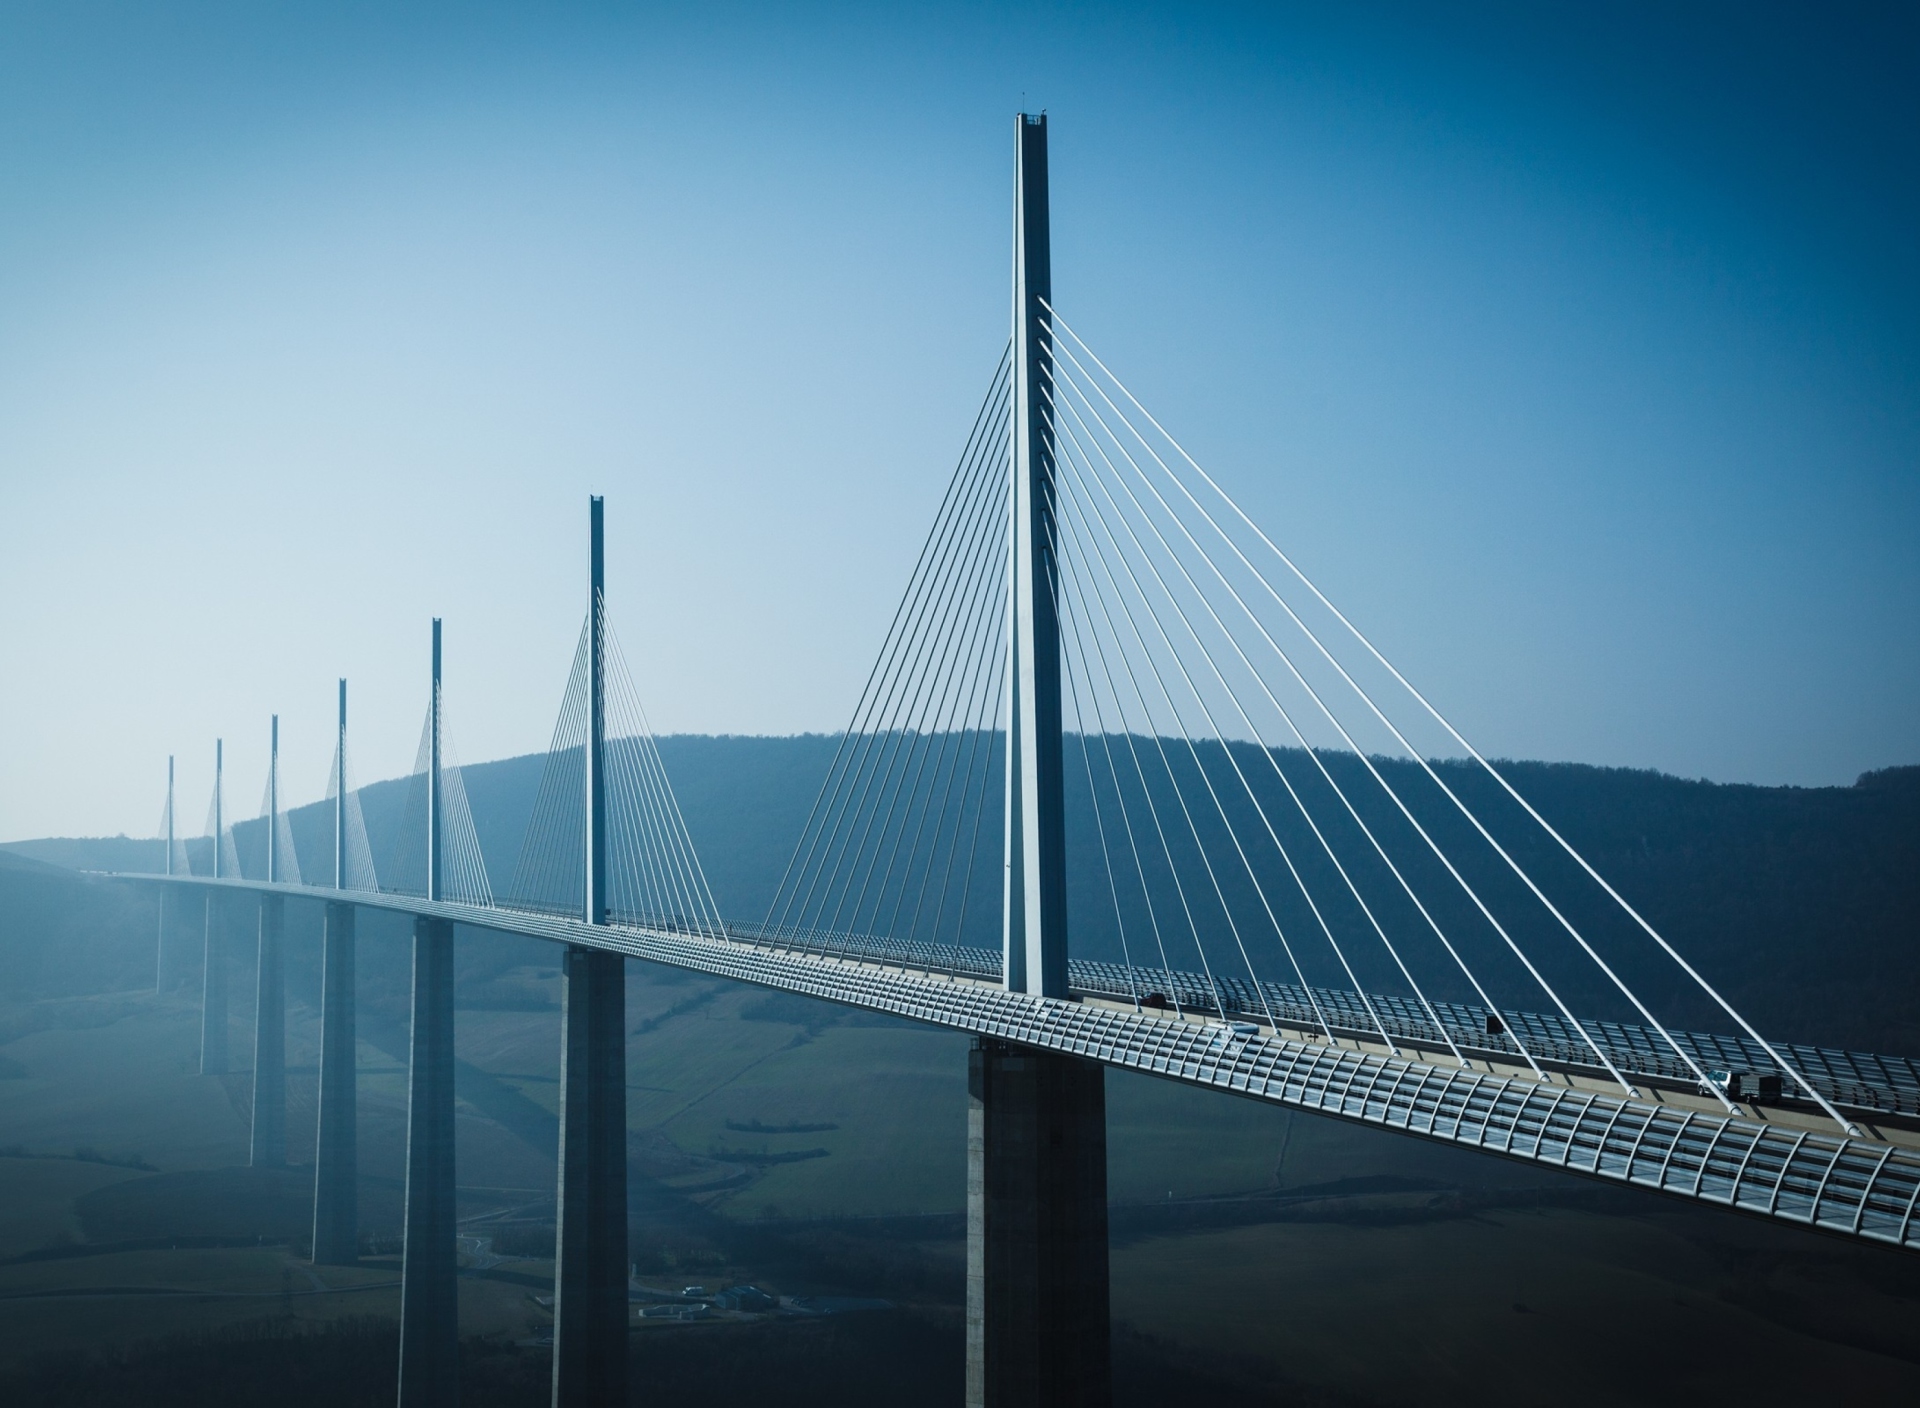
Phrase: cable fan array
x=178 y=863
x=1258 y=794
x=654 y=876
x=218 y=833
x=463 y=869
x=286 y=861
x=898 y=842
x=1253 y=825
x=359 y=870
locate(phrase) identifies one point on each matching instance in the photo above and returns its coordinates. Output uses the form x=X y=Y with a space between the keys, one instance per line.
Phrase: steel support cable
x=1206 y=654
x=964 y=703
x=1139 y=769
x=213 y=810
x=1300 y=737
x=1226 y=909
x=454 y=862
x=1100 y=833
x=979 y=724
x=1312 y=753
x=960 y=487
x=283 y=829
x=359 y=847
x=565 y=835
x=979 y=817
x=1220 y=736
x=686 y=858
x=632 y=875
x=995 y=390
x=1360 y=753
x=229 y=851
x=534 y=880
x=969 y=602
x=929 y=627
x=466 y=838
x=276 y=821
x=1407 y=746
x=647 y=841
x=456 y=878
x=526 y=889
x=682 y=882
x=542 y=873
x=915 y=737
x=982 y=714
x=706 y=913
x=691 y=854
x=1120 y=797
x=1492 y=771
x=885 y=746
x=636 y=881
x=461 y=837
x=633 y=882
x=412 y=849
x=970 y=483
x=336 y=862
x=1089 y=545
x=955 y=727
x=634 y=829
x=1068 y=542
x=675 y=898
x=160 y=834
x=958 y=567
x=1179 y=796
x=1285 y=856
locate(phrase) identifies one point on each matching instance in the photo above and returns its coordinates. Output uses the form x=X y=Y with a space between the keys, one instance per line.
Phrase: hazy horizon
x=1574 y=355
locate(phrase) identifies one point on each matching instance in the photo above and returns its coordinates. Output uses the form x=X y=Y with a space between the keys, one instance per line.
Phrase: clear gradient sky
x=1574 y=349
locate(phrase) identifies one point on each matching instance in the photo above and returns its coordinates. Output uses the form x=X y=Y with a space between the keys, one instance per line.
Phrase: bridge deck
x=1857 y=1187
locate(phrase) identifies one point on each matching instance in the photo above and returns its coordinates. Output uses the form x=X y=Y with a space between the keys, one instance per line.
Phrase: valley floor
x=1257 y=1255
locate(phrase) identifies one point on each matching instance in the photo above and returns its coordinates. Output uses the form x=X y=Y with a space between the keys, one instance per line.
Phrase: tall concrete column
x=590 y=1272
x=213 y=972
x=268 y=1147
x=1037 y=1314
x=1037 y=1331
x=213 y=991
x=336 y=1197
x=336 y=1158
x=1035 y=935
x=429 y=1280
x=160 y=933
x=429 y=1276
x=590 y=1290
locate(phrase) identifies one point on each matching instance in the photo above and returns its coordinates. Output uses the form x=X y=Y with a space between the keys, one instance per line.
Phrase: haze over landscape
x=1575 y=357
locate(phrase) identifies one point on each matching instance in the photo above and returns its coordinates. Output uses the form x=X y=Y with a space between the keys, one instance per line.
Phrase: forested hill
x=1803 y=904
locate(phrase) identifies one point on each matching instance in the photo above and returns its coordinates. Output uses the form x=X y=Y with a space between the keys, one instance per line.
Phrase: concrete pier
x=429 y=1286
x=1037 y=1315
x=590 y=1278
x=213 y=993
x=336 y=1200
x=268 y=1147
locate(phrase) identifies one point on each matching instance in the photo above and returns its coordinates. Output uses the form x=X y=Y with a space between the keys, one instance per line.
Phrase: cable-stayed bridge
x=1123 y=788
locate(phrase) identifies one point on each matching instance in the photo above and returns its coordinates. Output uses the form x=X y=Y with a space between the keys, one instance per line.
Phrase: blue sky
x=1574 y=354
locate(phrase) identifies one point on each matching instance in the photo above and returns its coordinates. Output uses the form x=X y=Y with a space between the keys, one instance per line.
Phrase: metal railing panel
x=1850 y=1186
